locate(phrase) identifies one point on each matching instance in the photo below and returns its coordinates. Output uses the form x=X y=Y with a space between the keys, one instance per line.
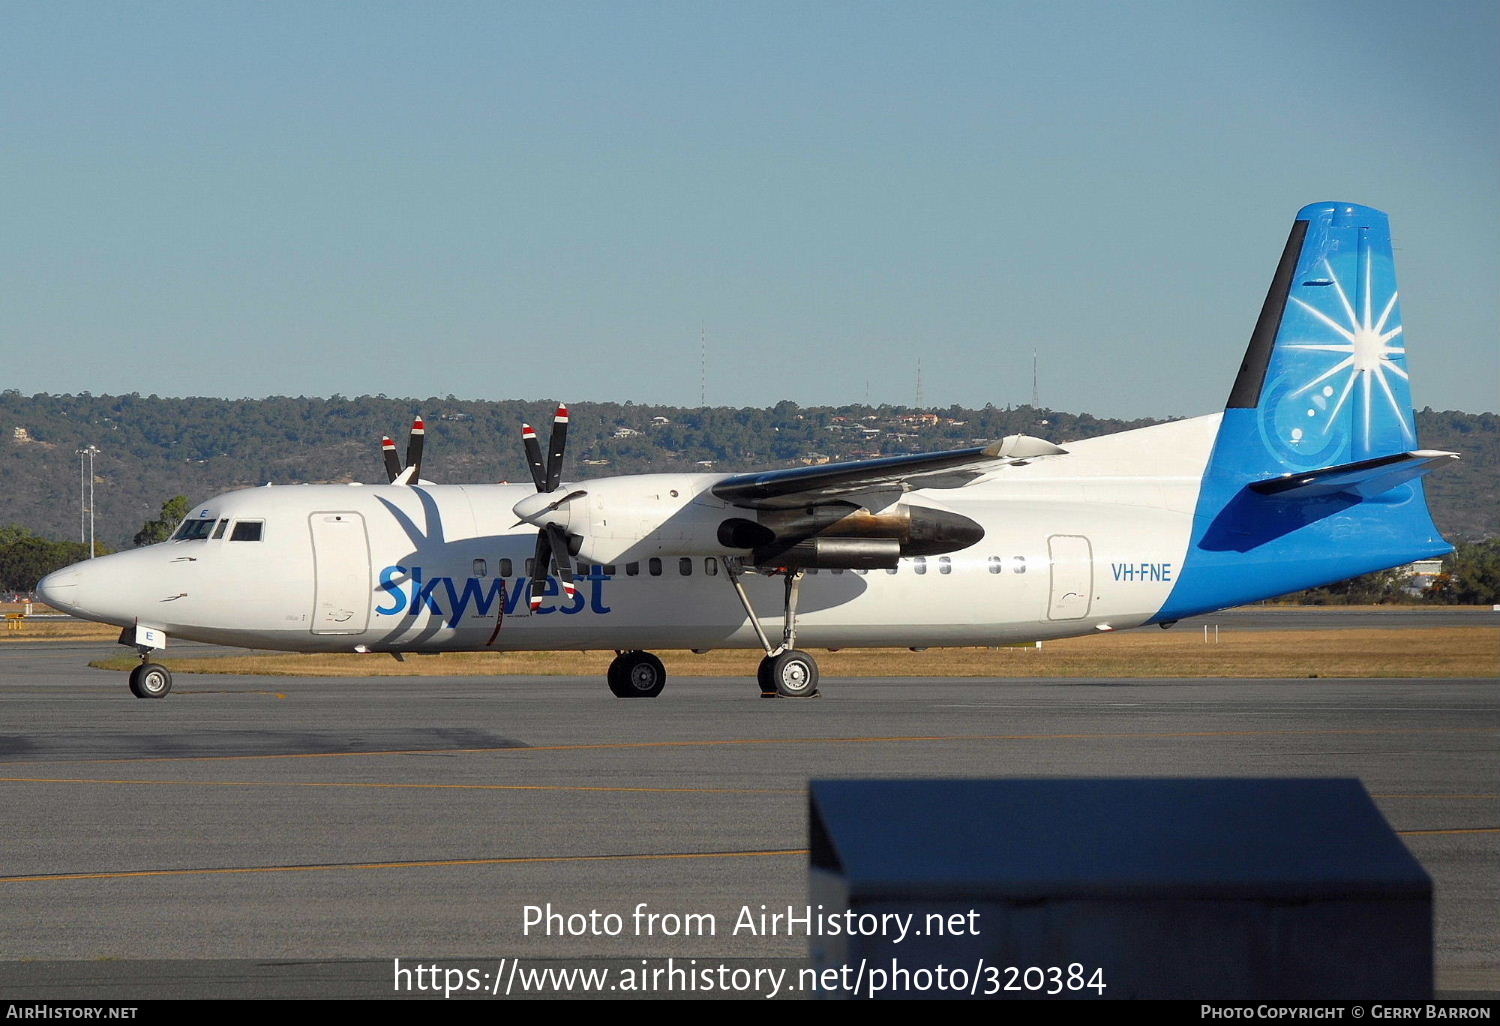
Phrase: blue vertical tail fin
x=1315 y=474
x=1326 y=367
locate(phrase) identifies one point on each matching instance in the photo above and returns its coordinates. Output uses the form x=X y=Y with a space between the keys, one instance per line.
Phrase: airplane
x=1311 y=474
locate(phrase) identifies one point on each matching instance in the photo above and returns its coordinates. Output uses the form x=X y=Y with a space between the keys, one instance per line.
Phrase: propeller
x=412 y=473
x=552 y=536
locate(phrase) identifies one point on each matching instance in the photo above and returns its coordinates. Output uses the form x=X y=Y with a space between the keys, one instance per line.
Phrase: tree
x=1379 y=588
x=160 y=529
x=26 y=560
x=1471 y=575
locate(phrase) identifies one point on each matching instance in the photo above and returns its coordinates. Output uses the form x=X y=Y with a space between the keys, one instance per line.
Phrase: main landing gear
x=636 y=675
x=785 y=671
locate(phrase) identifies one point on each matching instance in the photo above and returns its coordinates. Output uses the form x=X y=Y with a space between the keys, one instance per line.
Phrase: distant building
x=1422 y=573
x=20 y=434
x=625 y=432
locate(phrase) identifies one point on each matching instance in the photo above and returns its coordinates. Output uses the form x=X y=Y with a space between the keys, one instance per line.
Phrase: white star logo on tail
x=1367 y=343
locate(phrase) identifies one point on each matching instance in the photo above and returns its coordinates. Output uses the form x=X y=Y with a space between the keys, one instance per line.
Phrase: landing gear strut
x=784 y=671
x=636 y=675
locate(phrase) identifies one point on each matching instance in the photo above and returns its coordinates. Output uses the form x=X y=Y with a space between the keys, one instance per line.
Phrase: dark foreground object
x=1227 y=889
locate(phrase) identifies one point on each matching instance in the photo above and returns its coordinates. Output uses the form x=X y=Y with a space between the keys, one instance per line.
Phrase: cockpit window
x=193 y=530
x=246 y=530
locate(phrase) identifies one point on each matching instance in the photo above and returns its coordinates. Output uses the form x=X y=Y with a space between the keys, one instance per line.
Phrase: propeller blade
x=414 y=449
x=392 y=464
x=539 y=568
x=555 y=449
x=562 y=557
x=534 y=456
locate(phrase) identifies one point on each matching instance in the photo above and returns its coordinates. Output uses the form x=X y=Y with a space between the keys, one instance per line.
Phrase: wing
x=802 y=486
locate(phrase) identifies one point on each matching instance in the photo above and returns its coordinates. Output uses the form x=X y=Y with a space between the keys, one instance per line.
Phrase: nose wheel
x=150 y=680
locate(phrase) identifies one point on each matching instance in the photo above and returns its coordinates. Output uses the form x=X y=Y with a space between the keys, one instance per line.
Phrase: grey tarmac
x=294 y=835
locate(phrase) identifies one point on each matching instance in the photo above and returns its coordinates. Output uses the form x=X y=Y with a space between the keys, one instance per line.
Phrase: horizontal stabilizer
x=1366 y=478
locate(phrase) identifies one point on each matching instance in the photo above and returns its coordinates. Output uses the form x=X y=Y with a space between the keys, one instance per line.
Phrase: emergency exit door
x=1072 y=559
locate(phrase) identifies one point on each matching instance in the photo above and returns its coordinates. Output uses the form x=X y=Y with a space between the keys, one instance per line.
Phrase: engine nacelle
x=630 y=518
x=834 y=554
x=627 y=519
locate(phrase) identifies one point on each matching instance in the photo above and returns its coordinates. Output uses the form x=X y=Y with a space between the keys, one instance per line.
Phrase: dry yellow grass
x=1419 y=652
x=56 y=630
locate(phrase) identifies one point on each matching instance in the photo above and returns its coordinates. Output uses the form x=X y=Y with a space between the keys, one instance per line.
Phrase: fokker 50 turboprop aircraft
x=1311 y=474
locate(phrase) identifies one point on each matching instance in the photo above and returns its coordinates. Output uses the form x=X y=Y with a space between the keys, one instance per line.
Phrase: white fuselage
x=1088 y=541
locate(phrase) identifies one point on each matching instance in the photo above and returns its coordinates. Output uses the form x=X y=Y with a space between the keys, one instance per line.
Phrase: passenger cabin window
x=685 y=566
x=711 y=566
x=506 y=567
x=480 y=568
x=193 y=530
x=653 y=566
x=919 y=564
x=246 y=530
x=632 y=569
x=996 y=564
x=609 y=568
x=945 y=565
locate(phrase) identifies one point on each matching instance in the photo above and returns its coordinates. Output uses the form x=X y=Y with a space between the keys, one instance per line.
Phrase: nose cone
x=59 y=589
x=110 y=589
x=539 y=509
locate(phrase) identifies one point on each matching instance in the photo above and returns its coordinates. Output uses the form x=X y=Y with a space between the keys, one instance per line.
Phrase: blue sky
x=515 y=200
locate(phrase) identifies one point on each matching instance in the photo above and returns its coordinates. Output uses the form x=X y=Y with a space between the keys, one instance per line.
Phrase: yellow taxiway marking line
x=398 y=786
x=892 y=739
x=412 y=864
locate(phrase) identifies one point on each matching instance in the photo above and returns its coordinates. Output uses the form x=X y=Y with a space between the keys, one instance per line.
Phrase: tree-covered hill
x=154 y=448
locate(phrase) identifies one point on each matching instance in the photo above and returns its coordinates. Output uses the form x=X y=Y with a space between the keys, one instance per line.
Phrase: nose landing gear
x=150 y=680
